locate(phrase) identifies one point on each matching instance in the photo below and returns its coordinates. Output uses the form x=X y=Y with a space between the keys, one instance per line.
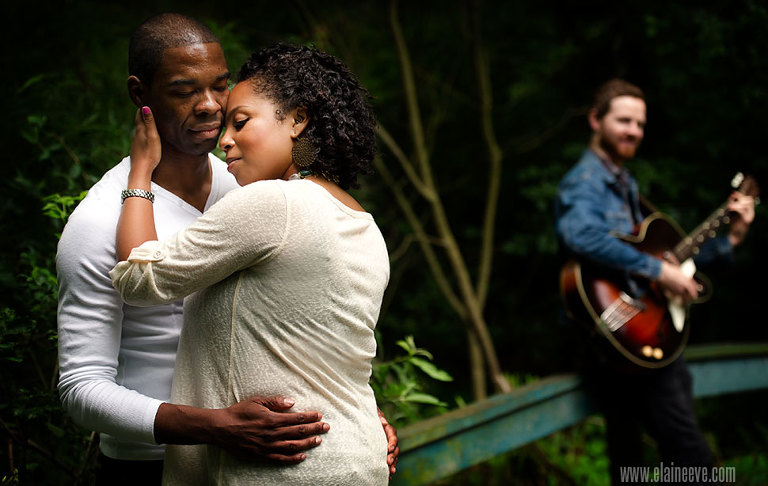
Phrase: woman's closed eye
x=238 y=125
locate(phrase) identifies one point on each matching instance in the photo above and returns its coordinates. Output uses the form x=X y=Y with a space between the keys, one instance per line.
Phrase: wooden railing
x=441 y=446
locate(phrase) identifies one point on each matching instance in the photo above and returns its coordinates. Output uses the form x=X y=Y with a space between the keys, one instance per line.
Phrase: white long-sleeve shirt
x=286 y=285
x=116 y=361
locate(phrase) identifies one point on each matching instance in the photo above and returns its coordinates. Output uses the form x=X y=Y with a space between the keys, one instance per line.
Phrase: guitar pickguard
x=677 y=308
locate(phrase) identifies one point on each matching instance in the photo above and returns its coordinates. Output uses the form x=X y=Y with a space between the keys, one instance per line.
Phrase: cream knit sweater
x=286 y=286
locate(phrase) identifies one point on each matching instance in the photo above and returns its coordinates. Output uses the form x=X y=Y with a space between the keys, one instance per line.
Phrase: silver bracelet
x=137 y=193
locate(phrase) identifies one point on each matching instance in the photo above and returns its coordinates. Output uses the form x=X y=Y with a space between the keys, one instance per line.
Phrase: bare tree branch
x=467 y=293
x=418 y=184
x=417 y=130
x=494 y=158
x=421 y=237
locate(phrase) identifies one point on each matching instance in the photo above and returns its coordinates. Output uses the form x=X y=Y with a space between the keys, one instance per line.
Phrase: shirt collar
x=617 y=174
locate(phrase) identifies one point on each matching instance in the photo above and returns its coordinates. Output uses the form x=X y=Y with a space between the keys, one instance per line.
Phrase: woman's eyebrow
x=232 y=112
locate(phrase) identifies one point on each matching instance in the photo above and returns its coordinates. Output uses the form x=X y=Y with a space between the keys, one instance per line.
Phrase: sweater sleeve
x=244 y=229
x=90 y=315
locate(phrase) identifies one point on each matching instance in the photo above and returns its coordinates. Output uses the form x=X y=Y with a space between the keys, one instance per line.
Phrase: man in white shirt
x=116 y=361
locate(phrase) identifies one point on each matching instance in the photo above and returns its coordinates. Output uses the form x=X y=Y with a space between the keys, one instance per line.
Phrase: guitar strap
x=646 y=205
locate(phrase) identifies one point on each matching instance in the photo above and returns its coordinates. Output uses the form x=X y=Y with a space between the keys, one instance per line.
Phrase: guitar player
x=596 y=200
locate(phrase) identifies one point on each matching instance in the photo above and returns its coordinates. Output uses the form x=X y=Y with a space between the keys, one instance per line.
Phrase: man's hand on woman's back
x=255 y=428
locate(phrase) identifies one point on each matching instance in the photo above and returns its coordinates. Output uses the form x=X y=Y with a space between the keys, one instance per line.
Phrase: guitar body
x=641 y=327
x=635 y=317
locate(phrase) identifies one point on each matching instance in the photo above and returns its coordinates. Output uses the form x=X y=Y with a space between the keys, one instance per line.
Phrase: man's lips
x=207 y=131
x=231 y=160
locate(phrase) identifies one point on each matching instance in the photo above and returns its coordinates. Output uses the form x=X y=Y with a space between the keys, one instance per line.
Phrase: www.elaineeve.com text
x=669 y=473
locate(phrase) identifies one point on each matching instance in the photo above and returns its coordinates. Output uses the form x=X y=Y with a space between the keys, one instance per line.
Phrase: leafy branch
x=398 y=384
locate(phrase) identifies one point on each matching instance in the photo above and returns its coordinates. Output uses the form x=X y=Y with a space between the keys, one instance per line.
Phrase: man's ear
x=300 y=120
x=594 y=121
x=136 y=90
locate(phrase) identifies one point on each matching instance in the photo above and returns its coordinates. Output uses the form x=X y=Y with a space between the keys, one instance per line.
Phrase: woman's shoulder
x=258 y=193
x=323 y=197
x=278 y=191
x=277 y=194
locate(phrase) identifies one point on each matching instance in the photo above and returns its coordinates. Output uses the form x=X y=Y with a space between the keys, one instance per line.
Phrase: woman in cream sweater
x=283 y=277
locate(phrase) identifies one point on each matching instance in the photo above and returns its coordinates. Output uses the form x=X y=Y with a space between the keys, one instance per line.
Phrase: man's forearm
x=182 y=424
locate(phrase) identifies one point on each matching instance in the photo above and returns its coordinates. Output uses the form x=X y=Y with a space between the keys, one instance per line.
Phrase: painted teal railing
x=441 y=446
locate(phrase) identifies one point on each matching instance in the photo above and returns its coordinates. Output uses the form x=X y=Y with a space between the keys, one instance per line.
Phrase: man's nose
x=636 y=129
x=208 y=103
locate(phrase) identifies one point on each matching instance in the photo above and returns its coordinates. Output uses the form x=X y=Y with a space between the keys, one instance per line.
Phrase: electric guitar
x=633 y=315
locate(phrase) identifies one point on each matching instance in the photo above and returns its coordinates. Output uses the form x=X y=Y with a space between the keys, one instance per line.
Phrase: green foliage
x=12 y=478
x=399 y=385
x=59 y=207
x=574 y=456
x=580 y=451
x=751 y=470
x=32 y=415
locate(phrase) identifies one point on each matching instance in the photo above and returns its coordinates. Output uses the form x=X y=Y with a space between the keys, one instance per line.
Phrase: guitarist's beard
x=620 y=150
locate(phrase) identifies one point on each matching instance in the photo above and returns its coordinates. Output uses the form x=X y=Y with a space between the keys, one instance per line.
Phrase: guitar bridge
x=621 y=311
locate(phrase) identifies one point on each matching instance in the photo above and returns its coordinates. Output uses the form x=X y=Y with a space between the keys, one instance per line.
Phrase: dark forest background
x=66 y=119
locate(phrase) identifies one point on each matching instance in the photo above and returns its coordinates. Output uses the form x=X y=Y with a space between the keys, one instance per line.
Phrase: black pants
x=659 y=400
x=117 y=472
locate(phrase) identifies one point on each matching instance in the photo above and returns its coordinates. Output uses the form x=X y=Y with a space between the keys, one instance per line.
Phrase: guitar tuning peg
x=737 y=180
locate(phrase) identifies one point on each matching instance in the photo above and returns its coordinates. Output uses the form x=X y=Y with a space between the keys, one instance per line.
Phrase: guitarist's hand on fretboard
x=742 y=211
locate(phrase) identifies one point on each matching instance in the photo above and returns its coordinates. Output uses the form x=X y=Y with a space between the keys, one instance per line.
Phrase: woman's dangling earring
x=303 y=152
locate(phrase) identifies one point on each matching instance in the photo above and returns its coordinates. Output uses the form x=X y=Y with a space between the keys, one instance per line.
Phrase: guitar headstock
x=747 y=185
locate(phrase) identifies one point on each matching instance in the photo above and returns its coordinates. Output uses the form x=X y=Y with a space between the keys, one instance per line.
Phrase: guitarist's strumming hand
x=742 y=210
x=676 y=283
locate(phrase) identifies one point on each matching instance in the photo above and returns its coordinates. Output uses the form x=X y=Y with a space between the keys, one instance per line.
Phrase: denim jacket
x=590 y=211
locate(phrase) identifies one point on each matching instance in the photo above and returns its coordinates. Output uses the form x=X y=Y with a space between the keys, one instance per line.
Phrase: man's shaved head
x=156 y=34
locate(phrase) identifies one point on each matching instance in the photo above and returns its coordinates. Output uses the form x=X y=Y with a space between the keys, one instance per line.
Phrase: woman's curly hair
x=341 y=121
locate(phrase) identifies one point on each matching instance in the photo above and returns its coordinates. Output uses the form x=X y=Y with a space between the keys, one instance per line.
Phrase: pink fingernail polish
x=145 y=110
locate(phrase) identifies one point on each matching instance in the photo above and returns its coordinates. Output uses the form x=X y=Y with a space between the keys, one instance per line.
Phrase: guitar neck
x=691 y=244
